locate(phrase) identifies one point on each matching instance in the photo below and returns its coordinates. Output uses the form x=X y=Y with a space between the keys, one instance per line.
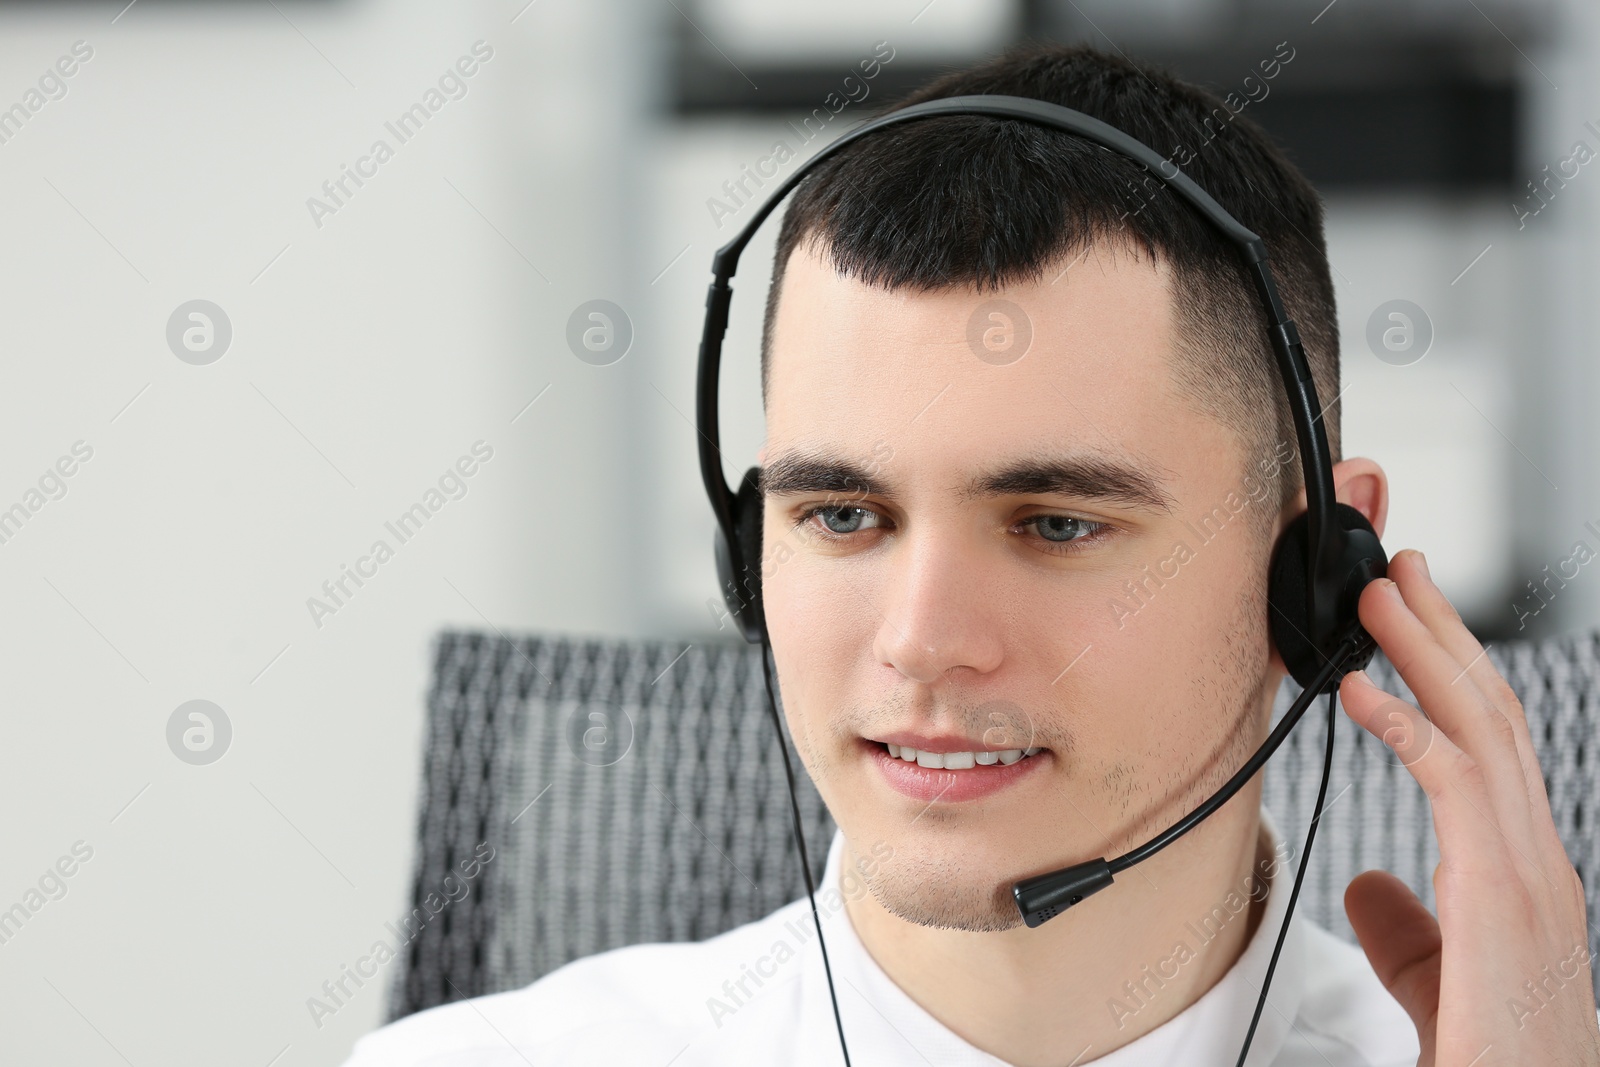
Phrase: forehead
x=1078 y=360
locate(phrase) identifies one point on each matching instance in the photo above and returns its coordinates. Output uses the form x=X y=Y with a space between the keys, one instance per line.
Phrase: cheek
x=822 y=640
x=816 y=616
x=1164 y=653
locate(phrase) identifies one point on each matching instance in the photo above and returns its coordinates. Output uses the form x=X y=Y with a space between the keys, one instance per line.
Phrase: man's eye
x=839 y=520
x=1063 y=529
x=1060 y=533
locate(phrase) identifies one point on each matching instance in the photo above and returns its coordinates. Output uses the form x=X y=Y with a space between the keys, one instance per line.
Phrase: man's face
x=1051 y=613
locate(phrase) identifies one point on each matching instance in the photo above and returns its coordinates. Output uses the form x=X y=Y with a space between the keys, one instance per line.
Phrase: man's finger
x=1428 y=602
x=1401 y=939
x=1469 y=839
x=1453 y=703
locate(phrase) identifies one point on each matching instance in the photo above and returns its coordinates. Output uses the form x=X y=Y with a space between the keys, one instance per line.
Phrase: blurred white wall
x=369 y=353
x=1555 y=363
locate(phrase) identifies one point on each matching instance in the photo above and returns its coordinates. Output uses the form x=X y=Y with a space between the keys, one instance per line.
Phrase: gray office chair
x=631 y=791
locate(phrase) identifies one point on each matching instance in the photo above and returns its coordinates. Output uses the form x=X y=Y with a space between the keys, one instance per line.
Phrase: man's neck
x=1097 y=977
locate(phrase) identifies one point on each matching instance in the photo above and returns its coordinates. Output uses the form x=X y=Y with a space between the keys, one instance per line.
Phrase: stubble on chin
x=944 y=893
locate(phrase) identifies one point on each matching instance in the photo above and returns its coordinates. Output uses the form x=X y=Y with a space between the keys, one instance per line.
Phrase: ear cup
x=1358 y=559
x=741 y=579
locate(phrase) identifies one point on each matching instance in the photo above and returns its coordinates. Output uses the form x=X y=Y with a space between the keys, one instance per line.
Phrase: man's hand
x=1502 y=978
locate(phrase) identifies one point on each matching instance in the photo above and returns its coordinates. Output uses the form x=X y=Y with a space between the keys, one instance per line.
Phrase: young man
x=1027 y=456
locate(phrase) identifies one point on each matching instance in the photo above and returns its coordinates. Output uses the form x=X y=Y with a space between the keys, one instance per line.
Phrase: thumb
x=1401 y=939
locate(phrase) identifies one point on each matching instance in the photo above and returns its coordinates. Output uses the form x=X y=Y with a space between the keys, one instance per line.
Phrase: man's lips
x=949 y=742
x=927 y=778
x=953 y=751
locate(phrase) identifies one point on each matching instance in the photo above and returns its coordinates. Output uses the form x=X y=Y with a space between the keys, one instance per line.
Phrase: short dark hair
x=984 y=202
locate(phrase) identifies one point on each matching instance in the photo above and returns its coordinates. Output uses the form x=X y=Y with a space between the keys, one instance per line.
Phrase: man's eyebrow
x=1089 y=476
x=810 y=472
x=1084 y=476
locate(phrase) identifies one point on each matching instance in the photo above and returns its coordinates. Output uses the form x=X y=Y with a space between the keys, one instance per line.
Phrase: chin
x=947 y=896
x=941 y=873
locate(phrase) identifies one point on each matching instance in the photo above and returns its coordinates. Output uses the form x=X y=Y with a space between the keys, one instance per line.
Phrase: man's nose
x=939 y=609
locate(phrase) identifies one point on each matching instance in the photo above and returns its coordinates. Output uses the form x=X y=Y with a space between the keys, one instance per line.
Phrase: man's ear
x=761 y=457
x=1359 y=482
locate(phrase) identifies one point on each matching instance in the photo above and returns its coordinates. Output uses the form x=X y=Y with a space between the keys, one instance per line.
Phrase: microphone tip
x=1043 y=897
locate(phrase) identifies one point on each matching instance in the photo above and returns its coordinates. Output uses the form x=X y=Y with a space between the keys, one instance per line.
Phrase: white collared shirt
x=757 y=995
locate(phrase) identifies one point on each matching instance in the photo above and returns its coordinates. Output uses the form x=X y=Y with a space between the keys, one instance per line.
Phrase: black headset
x=1320 y=564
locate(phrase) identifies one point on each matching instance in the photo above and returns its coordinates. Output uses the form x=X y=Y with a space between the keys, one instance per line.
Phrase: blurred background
x=243 y=344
